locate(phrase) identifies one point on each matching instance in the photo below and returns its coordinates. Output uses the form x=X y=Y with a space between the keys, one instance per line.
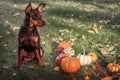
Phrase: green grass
x=76 y=18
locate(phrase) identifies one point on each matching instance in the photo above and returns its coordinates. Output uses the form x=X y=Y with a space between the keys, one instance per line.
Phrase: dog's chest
x=27 y=36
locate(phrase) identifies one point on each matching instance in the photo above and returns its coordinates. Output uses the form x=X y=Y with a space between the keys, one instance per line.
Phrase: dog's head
x=34 y=15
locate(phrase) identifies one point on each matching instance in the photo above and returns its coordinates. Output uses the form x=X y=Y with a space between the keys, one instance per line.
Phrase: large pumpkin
x=113 y=67
x=93 y=55
x=59 y=58
x=63 y=45
x=70 y=64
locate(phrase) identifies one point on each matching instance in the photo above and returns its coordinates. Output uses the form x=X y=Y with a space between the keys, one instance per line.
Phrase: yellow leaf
x=91 y=31
x=111 y=48
x=60 y=39
x=83 y=37
x=56 y=68
x=95 y=25
x=7 y=22
x=71 y=20
x=1 y=37
x=15 y=6
x=73 y=39
x=14 y=74
x=43 y=42
x=96 y=30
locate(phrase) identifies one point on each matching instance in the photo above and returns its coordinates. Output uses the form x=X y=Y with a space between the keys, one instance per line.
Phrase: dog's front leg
x=39 y=58
x=21 y=54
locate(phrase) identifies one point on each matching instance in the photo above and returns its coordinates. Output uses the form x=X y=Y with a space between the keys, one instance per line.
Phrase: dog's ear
x=40 y=7
x=28 y=8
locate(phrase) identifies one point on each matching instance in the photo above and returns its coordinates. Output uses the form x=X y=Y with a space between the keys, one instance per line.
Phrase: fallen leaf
x=103 y=51
x=95 y=25
x=53 y=17
x=71 y=20
x=91 y=31
x=60 y=39
x=43 y=42
x=16 y=14
x=15 y=6
x=46 y=63
x=56 y=68
x=1 y=37
x=31 y=67
x=71 y=31
x=7 y=32
x=7 y=22
x=15 y=50
x=73 y=39
x=83 y=37
x=14 y=74
x=95 y=30
x=5 y=45
x=5 y=67
x=13 y=29
x=111 y=48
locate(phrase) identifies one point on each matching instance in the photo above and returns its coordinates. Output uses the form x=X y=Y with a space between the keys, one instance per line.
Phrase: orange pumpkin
x=63 y=45
x=93 y=55
x=113 y=67
x=106 y=78
x=59 y=58
x=70 y=64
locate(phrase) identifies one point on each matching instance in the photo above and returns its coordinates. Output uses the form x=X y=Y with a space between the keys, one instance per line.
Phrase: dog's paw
x=42 y=65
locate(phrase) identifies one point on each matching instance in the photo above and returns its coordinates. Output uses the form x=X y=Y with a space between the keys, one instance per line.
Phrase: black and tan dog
x=29 y=40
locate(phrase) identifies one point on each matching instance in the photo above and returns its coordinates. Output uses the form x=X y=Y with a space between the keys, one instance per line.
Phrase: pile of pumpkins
x=69 y=62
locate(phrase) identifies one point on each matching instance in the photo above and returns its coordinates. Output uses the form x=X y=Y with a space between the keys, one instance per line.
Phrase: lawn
x=91 y=24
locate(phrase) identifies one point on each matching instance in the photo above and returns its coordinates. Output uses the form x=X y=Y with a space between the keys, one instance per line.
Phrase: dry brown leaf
x=53 y=17
x=5 y=67
x=1 y=37
x=43 y=42
x=64 y=20
x=83 y=37
x=60 y=39
x=46 y=63
x=13 y=29
x=15 y=50
x=31 y=67
x=111 y=48
x=15 y=6
x=56 y=68
x=95 y=25
x=96 y=30
x=71 y=20
x=73 y=39
x=14 y=74
x=7 y=32
x=7 y=22
x=5 y=45
x=91 y=31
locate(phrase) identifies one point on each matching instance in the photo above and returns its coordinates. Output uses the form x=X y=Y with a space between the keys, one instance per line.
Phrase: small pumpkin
x=106 y=78
x=69 y=51
x=63 y=45
x=70 y=64
x=59 y=58
x=93 y=55
x=84 y=59
x=113 y=67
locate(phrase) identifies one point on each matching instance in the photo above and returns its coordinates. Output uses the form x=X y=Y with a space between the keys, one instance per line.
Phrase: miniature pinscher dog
x=29 y=40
